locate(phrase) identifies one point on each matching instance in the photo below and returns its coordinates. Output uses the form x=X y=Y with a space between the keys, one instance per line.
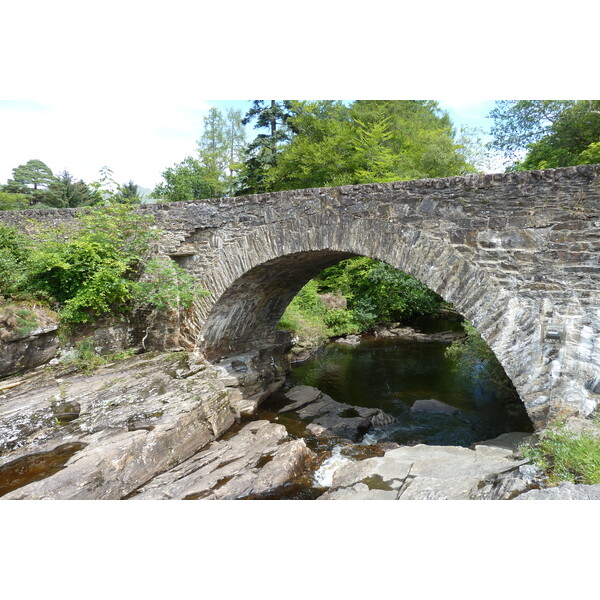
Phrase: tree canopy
x=31 y=180
x=547 y=134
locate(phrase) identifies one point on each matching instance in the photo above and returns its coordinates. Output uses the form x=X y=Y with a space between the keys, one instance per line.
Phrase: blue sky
x=137 y=141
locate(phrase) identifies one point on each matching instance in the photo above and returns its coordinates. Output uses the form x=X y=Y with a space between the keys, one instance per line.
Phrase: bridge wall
x=516 y=253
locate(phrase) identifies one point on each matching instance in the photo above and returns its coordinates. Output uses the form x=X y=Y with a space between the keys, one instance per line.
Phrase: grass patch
x=87 y=359
x=566 y=456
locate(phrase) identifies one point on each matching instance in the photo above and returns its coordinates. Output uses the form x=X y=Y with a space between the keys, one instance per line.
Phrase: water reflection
x=392 y=375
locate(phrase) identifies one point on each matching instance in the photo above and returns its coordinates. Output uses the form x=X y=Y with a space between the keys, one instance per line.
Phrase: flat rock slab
x=258 y=459
x=564 y=491
x=126 y=422
x=328 y=418
x=421 y=473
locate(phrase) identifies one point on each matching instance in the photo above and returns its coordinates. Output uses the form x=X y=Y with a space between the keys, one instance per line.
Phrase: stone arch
x=256 y=275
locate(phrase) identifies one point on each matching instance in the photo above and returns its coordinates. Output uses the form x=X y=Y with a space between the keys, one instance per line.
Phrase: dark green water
x=392 y=375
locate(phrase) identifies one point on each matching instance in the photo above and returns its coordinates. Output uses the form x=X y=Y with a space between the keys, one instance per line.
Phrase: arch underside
x=257 y=275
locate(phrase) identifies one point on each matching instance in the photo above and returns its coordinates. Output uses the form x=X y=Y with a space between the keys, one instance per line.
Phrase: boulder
x=434 y=406
x=328 y=418
x=257 y=460
x=128 y=422
x=420 y=473
x=350 y=340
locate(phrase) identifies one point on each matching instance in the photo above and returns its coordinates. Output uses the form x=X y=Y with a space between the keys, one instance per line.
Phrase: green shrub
x=102 y=263
x=13 y=253
x=87 y=359
x=567 y=456
x=10 y=201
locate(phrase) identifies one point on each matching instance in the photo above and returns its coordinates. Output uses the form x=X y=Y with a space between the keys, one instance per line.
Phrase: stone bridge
x=516 y=253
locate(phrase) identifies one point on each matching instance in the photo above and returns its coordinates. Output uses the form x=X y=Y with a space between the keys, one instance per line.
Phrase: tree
x=235 y=140
x=377 y=160
x=188 y=180
x=105 y=187
x=128 y=193
x=66 y=192
x=262 y=153
x=322 y=151
x=368 y=141
x=213 y=150
x=549 y=133
x=31 y=179
x=422 y=137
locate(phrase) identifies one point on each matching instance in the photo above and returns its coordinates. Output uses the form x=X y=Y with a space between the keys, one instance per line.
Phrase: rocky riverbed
x=174 y=426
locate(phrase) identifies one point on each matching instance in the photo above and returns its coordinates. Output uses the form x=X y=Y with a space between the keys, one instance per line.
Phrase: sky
x=137 y=140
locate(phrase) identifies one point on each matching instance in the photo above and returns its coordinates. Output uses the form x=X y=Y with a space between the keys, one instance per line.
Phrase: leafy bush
x=10 y=201
x=13 y=252
x=567 y=456
x=102 y=263
x=373 y=292
x=378 y=292
x=86 y=358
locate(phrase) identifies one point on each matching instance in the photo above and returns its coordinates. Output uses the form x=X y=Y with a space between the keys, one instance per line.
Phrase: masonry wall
x=517 y=253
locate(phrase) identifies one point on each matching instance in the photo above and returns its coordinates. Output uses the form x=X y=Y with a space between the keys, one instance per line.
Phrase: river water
x=392 y=375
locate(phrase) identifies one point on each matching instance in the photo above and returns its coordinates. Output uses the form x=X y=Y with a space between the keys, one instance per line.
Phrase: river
x=392 y=375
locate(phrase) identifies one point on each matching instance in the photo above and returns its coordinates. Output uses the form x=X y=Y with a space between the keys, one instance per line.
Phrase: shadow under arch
x=256 y=276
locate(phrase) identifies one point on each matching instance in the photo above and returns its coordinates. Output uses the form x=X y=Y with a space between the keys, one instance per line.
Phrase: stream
x=392 y=375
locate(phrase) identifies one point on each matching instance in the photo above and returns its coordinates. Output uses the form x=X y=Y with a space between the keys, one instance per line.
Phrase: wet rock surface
x=257 y=460
x=410 y=334
x=434 y=406
x=327 y=417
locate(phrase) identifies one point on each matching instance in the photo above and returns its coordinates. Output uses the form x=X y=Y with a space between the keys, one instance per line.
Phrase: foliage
x=11 y=201
x=474 y=359
x=100 y=265
x=13 y=253
x=65 y=192
x=87 y=359
x=369 y=141
x=567 y=456
x=105 y=187
x=422 y=137
x=127 y=193
x=554 y=133
x=263 y=152
x=188 y=180
x=16 y=319
x=375 y=292
x=311 y=319
x=166 y=285
x=321 y=152
x=31 y=179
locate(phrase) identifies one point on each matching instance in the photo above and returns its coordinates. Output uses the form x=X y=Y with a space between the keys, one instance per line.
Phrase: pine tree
x=32 y=179
x=262 y=153
x=65 y=192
